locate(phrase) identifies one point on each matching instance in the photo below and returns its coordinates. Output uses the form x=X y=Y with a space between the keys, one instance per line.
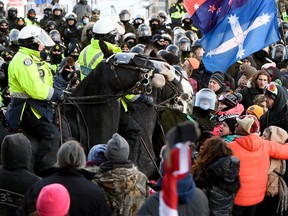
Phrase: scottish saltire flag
x=233 y=29
x=175 y=168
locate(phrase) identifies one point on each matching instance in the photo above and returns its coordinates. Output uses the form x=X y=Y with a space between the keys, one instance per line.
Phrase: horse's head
x=185 y=100
x=177 y=94
x=151 y=72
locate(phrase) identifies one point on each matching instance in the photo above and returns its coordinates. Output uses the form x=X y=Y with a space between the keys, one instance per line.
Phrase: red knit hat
x=53 y=200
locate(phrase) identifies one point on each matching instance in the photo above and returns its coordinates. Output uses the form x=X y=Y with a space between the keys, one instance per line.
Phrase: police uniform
x=176 y=13
x=92 y=55
x=30 y=82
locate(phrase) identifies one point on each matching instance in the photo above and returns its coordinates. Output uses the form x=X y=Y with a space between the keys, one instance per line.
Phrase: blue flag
x=244 y=30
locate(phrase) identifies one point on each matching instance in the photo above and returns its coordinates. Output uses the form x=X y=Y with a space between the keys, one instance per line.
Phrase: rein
x=175 y=89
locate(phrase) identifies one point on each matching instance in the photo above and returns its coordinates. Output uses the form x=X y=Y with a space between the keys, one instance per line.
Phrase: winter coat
x=220 y=183
x=197 y=206
x=87 y=198
x=222 y=115
x=278 y=114
x=248 y=94
x=125 y=187
x=254 y=154
x=15 y=179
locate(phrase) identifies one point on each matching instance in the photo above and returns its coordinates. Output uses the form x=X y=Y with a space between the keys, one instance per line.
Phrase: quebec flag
x=234 y=29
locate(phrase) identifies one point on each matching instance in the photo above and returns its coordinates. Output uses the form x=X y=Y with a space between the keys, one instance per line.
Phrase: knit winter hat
x=117 y=148
x=271 y=90
x=275 y=134
x=249 y=123
x=53 y=200
x=219 y=78
x=255 y=110
x=194 y=62
x=97 y=154
x=230 y=100
x=231 y=122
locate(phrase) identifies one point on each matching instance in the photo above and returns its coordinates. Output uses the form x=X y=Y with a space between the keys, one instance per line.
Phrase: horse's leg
x=131 y=131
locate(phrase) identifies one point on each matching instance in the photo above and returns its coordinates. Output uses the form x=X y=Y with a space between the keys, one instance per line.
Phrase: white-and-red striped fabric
x=180 y=158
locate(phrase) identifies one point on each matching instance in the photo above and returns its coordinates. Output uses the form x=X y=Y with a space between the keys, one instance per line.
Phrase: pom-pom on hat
x=271 y=90
x=255 y=110
x=53 y=200
x=249 y=123
x=117 y=148
x=219 y=78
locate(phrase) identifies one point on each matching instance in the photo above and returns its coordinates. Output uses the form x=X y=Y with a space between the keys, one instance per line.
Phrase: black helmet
x=124 y=15
x=137 y=49
x=13 y=36
x=12 y=12
x=144 y=30
x=4 y=25
x=173 y=49
x=177 y=34
x=154 y=17
x=163 y=15
x=161 y=52
x=191 y=35
x=184 y=44
x=71 y=16
x=129 y=36
x=279 y=52
x=167 y=37
x=138 y=20
x=47 y=7
x=56 y=7
x=55 y=36
x=50 y=25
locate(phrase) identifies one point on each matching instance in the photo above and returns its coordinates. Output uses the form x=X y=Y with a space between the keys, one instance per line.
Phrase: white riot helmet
x=31 y=35
x=107 y=29
x=205 y=99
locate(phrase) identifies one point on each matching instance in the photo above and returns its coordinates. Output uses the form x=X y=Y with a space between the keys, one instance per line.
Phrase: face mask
x=85 y=21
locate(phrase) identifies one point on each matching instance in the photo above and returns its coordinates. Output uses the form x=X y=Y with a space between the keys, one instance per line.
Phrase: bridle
x=119 y=60
x=115 y=61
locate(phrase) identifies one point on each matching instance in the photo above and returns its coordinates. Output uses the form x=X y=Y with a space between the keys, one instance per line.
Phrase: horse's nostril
x=185 y=96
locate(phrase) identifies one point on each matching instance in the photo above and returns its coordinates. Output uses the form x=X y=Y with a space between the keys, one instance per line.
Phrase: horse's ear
x=153 y=54
x=103 y=46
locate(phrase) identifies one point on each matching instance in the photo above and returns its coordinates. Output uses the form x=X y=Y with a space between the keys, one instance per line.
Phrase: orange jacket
x=254 y=154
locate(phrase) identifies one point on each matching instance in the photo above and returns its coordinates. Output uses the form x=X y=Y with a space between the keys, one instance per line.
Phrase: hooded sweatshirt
x=278 y=114
x=15 y=178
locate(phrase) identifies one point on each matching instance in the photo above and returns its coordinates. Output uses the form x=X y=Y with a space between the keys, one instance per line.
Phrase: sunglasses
x=70 y=67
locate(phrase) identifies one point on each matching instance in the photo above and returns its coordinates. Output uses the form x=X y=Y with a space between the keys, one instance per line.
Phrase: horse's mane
x=106 y=51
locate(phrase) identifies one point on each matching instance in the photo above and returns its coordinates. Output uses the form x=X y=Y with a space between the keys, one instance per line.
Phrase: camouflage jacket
x=125 y=189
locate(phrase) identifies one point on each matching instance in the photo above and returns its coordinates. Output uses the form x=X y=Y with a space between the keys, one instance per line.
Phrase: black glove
x=145 y=99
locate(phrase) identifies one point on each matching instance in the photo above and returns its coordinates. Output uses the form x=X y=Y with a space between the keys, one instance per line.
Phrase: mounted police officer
x=92 y=55
x=30 y=82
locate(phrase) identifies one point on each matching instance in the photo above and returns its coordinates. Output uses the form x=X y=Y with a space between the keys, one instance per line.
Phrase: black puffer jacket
x=220 y=183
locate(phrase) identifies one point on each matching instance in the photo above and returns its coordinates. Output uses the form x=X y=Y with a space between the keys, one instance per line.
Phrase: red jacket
x=254 y=154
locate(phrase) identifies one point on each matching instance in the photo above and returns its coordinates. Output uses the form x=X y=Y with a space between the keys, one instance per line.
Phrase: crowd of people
x=240 y=118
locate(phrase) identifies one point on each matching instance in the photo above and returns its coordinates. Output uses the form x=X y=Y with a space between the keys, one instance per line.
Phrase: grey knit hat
x=117 y=148
x=219 y=78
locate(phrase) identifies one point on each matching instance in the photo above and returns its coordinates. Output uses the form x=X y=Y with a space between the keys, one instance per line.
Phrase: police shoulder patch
x=27 y=61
